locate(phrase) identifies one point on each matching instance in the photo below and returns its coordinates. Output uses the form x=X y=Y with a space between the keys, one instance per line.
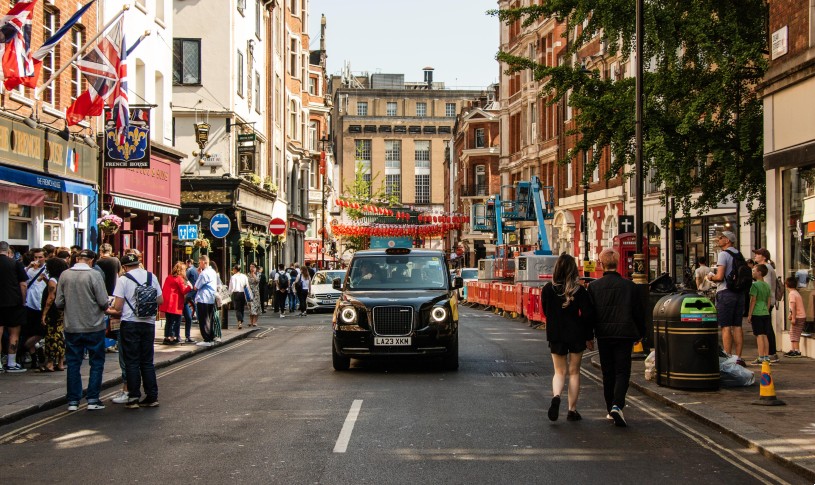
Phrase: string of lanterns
x=392 y=230
x=375 y=210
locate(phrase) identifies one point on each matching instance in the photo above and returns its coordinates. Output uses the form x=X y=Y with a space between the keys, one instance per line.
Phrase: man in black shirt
x=110 y=266
x=13 y=285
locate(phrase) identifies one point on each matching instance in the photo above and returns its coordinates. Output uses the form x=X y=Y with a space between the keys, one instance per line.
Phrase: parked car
x=321 y=293
x=396 y=302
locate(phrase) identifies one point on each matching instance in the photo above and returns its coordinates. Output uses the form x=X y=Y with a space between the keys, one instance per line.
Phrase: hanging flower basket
x=201 y=243
x=109 y=224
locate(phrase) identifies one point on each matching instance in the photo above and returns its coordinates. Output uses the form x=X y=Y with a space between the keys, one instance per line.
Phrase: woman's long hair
x=179 y=269
x=565 y=276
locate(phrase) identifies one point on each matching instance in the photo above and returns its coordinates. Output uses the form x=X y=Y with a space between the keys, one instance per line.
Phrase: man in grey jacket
x=81 y=292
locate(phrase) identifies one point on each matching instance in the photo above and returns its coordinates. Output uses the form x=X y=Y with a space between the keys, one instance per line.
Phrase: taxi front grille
x=393 y=320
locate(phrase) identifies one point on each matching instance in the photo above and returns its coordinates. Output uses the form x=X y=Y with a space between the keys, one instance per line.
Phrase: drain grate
x=515 y=374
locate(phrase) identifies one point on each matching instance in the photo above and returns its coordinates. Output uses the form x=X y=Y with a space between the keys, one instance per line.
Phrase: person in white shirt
x=33 y=330
x=206 y=285
x=137 y=332
x=700 y=275
x=237 y=285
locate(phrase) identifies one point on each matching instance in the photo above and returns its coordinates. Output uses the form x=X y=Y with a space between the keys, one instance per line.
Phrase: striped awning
x=146 y=206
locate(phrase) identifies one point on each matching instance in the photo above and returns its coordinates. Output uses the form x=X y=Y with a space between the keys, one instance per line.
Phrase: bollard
x=767 y=391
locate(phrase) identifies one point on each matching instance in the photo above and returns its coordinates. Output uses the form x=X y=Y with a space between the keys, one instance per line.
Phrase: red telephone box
x=626 y=246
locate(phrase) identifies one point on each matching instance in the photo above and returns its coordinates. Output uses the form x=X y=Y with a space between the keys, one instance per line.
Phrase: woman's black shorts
x=563 y=348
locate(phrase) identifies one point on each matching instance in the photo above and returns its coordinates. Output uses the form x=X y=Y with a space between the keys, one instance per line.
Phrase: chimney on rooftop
x=428 y=77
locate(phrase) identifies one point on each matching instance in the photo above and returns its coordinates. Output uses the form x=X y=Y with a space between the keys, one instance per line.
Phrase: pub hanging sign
x=134 y=150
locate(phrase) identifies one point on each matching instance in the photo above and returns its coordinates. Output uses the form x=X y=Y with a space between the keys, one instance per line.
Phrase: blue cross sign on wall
x=187 y=232
x=220 y=225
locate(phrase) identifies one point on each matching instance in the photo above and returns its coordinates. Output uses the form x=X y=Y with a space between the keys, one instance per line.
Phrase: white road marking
x=348 y=427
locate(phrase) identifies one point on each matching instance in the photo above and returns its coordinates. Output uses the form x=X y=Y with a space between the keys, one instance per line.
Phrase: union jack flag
x=105 y=70
x=15 y=43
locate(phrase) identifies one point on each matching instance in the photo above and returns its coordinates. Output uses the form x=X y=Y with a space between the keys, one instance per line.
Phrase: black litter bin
x=659 y=287
x=687 y=342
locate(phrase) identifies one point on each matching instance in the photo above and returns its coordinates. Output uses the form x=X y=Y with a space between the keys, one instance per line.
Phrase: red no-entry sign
x=277 y=226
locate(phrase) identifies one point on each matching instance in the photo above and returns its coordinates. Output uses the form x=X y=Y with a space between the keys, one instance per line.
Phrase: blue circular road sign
x=219 y=226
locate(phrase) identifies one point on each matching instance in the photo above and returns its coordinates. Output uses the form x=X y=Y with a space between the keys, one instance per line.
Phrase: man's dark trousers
x=137 y=340
x=615 y=361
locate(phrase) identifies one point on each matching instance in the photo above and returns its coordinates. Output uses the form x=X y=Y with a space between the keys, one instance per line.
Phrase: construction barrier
x=535 y=309
x=495 y=295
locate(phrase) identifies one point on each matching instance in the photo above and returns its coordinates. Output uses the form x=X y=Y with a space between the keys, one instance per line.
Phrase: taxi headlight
x=348 y=315
x=438 y=314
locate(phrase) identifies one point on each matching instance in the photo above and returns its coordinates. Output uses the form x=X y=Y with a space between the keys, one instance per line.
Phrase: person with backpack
x=734 y=280
x=281 y=289
x=81 y=293
x=137 y=298
x=762 y=256
x=294 y=274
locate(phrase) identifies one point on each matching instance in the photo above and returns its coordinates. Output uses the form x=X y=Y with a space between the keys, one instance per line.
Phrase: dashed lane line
x=348 y=427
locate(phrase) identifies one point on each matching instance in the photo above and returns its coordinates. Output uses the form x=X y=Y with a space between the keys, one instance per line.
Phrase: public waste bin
x=662 y=285
x=687 y=342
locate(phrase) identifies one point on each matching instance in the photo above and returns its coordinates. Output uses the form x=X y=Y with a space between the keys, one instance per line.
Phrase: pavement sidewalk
x=785 y=434
x=23 y=394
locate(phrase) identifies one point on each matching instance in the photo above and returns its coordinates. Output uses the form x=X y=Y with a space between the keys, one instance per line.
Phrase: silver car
x=321 y=295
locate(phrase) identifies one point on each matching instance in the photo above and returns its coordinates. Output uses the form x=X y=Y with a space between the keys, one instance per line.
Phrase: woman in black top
x=569 y=319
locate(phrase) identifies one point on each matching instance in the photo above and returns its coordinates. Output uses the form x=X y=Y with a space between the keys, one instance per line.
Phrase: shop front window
x=19 y=224
x=799 y=216
x=53 y=215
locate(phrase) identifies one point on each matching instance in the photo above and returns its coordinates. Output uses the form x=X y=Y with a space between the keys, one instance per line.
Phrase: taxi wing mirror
x=458 y=282
x=336 y=283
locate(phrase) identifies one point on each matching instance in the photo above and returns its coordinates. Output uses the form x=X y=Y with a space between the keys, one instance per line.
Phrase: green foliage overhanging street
x=703 y=116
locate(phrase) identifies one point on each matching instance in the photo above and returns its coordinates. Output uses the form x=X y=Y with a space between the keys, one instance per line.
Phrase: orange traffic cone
x=638 y=352
x=767 y=392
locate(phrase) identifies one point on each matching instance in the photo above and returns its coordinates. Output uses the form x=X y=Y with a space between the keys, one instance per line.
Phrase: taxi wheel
x=450 y=361
x=340 y=362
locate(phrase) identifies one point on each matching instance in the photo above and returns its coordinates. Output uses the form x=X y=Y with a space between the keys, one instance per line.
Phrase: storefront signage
x=159 y=183
x=43 y=151
x=132 y=150
x=246 y=153
x=298 y=226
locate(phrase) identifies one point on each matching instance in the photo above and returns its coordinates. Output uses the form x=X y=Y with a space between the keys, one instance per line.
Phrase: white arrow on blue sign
x=219 y=225
x=187 y=232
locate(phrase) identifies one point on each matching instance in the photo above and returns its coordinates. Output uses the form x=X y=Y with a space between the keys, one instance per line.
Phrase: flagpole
x=79 y=52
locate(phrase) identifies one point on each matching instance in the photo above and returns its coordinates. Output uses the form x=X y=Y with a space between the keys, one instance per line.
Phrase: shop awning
x=145 y=206
x=17 y=194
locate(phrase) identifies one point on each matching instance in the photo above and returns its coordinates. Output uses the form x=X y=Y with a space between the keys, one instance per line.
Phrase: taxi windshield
x=388 y=272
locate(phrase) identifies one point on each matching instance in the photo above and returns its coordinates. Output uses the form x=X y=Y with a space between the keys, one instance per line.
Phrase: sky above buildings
x=456 y=37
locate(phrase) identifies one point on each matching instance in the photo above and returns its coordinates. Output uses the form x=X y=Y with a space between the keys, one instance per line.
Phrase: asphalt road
x=270 y=409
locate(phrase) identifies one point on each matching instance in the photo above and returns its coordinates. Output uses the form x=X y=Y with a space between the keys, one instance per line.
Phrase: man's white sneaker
x=617 y=415
x=122 y=398
x=95 y=406
x=73 y=407
x=204 y=344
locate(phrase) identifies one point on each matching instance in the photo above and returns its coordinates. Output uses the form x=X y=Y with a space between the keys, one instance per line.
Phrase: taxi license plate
x=391 y=340
x=326 y=302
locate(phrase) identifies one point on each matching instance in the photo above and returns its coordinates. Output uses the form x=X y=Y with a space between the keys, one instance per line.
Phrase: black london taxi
x=396 y=302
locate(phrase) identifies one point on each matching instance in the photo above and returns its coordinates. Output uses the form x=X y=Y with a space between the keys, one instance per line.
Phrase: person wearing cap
x=762 y=256
x=81 y=293
x=729 y=303
x=137 y=333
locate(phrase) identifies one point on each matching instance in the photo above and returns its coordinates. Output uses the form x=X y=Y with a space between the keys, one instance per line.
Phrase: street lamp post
x=585 y=217
x=323 y=163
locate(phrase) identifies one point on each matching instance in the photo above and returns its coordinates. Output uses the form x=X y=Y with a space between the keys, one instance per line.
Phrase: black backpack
x=145 y=298
x=740 y=277
x=282 y=281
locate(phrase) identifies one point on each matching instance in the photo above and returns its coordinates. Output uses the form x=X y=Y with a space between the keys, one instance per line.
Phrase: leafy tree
x=361 y=191
x=702 y=116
